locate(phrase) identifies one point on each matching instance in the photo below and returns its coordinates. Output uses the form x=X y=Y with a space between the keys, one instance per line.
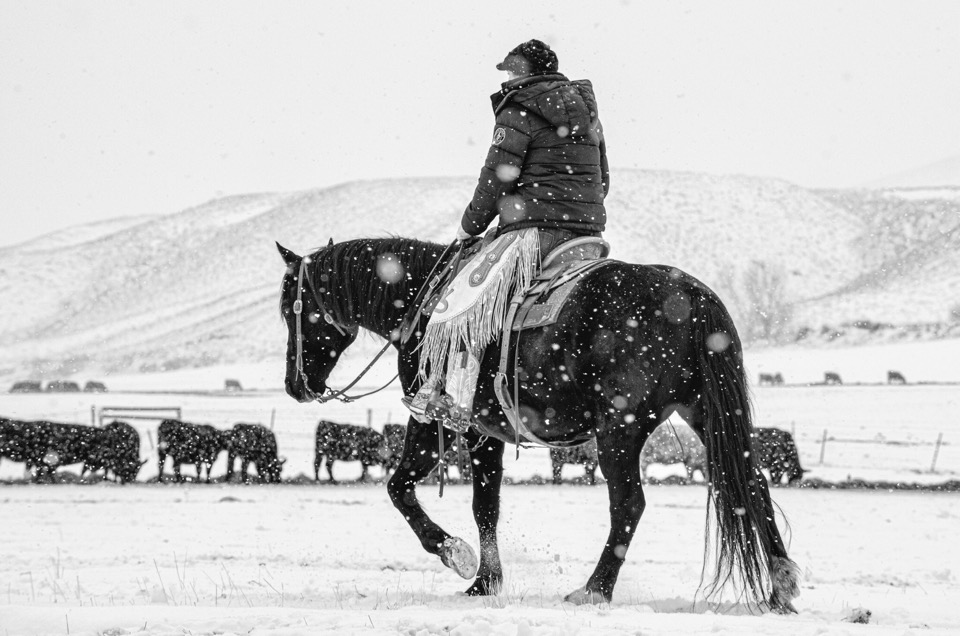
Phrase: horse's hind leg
x=420 y=456
x=487 y=464
x=618 y=447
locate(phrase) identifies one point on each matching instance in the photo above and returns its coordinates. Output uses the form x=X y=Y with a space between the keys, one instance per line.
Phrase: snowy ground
x=307 y=559
x=322 y=559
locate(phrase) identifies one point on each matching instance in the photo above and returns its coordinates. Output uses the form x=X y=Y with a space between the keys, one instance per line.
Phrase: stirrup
x=416 y=407
x=442 y=409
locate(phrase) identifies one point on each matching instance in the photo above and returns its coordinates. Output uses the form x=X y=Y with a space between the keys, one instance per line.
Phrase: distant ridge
x=199 y=287
x=940 y=173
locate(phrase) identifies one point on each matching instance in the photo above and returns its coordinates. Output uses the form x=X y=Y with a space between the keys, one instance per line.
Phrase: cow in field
x=120 y=453
x=186 y=443
x=831 y=377
x=895 y=377
x=62 y=386
x=13 y=441
x=346 y=443
x=254 y=444
x=26 y=387
x=776 y=451
x=45 y=446
x=669 y=444
x=771 y=379
x=585 y=454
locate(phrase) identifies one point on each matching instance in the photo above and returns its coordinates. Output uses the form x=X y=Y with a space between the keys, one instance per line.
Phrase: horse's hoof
x=456 y=554
x=585 y=597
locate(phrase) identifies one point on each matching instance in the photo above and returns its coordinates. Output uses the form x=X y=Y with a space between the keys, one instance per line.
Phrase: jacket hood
x=560 y=101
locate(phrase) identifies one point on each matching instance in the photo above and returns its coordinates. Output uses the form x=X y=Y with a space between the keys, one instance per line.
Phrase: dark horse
x=633 y=345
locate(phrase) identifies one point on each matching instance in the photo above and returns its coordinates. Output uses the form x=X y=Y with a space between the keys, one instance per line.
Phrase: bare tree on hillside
x=769 y=311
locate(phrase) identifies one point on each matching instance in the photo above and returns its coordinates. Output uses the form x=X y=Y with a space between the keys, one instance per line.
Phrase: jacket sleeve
x=604 y=168
x=500 y=171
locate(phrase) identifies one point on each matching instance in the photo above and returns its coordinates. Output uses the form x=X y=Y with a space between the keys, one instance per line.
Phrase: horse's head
x=315 y=338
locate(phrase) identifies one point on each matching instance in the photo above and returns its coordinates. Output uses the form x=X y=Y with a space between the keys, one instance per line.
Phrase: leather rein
x=404 y=332
x=329 y=394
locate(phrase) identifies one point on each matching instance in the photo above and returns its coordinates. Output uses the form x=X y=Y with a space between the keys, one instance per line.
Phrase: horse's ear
x=289 y=257
x=330 y=243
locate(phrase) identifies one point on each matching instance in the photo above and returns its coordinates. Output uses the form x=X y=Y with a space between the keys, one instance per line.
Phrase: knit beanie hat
x=533 y=57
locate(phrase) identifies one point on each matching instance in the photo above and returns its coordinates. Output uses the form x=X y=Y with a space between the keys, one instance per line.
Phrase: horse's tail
x=748 y=543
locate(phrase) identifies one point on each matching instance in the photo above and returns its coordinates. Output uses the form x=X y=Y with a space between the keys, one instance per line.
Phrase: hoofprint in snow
x=305 y=560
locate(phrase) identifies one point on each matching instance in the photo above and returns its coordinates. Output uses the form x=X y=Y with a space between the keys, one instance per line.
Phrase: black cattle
x=392 y=449
x=832 y=378
x=895 y=377
x=776 y=451
x=25 y=387
x=120 y=453
x=346 y=443
x=186 y=443
x=253 y=444
x=771 y=379
x=232 y=385
x=585 y=454
x=62 y=386
x=12 y=441
x=45 y=446
x=94 y=387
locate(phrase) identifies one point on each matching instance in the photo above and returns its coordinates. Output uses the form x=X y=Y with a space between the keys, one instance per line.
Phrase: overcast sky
x=112 y=108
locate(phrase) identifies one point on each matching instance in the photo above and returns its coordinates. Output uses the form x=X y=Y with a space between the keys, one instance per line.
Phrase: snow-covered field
x=308 y=559
x=322 y=559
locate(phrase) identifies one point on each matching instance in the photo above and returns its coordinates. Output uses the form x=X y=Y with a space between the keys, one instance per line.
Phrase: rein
x=331 y=394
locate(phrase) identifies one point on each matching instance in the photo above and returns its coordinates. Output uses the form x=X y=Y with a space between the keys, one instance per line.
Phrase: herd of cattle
x=114 y=450
x=829 y=377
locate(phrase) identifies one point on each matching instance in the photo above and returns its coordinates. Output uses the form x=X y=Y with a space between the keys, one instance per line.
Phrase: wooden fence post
x=150 y=438
x=936 y=451
x=93 y=415
x=823 y=446
x=273 y=416
x=369 y=418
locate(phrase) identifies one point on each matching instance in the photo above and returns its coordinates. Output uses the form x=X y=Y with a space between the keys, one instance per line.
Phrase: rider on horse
x=546 y=177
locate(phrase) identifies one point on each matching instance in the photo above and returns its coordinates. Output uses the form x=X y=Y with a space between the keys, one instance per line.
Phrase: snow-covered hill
x=200 y=286
x=945 y=172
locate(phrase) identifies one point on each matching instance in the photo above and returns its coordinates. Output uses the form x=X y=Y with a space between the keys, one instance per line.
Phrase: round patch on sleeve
x=498 y=136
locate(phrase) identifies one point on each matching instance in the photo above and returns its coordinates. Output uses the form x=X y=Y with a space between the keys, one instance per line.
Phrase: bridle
x=329 y=394
x=404 y=331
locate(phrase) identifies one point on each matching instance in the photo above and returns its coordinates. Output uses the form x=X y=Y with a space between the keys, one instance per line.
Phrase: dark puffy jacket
x=547 y=165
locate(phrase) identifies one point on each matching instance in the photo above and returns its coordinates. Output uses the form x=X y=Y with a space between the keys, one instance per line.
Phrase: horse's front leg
x=420 y=456
x=487 y=465
x=618 y=447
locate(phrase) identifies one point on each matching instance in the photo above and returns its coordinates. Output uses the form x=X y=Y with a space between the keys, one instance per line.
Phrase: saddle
x=538 y=306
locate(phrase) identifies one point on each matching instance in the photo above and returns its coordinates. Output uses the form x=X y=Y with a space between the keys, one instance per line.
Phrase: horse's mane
x=359 y=294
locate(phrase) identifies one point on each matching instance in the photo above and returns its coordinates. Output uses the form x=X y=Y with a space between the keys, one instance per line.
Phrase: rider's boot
x=462 y=374
x=454 y=406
